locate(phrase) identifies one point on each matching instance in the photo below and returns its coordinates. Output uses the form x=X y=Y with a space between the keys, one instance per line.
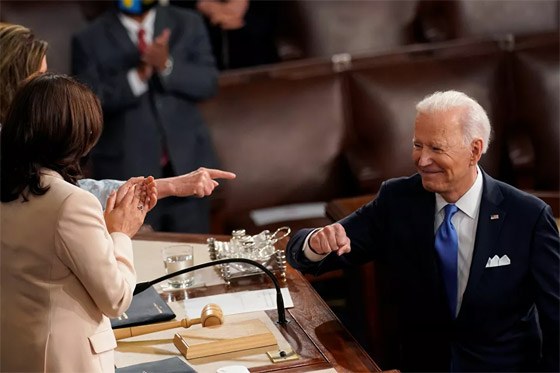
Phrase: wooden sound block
x=220 y=339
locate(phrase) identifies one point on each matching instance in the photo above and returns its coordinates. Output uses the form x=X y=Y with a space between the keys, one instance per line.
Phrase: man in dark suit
x=474 y=262
x=150 y=65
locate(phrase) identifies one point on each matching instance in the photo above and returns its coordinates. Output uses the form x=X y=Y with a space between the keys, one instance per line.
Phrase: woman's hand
x=146 y=189
x=151 y=195
x=126 y=216
x=199 y=183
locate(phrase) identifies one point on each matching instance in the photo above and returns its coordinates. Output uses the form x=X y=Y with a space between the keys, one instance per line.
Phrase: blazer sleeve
x=103 y=263
x=111 y=87
x=365 y=228
x=545 y=268
x=194 y=73
x=101 y=189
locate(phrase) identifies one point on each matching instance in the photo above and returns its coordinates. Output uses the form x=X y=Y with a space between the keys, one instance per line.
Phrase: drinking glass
x=175 y=258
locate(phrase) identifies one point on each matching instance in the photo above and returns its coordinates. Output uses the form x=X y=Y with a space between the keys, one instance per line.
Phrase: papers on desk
x=298 y=211
x=171 y=365
x=240 y=302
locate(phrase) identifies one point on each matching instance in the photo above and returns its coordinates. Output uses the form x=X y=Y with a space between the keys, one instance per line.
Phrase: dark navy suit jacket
x=497 y=328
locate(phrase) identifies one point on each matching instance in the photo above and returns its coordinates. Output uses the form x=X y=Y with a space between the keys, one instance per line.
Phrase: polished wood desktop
x=314 y=331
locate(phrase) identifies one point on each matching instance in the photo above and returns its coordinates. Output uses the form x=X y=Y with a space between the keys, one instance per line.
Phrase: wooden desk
x=314 y=332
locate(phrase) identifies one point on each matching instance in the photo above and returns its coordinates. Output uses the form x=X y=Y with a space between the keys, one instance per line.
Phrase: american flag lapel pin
x=494 y=217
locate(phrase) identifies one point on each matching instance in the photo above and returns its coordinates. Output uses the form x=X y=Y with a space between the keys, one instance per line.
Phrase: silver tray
x=259 y=248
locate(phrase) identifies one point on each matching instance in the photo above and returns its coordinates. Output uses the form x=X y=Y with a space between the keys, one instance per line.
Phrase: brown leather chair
x=283 y=136
x=536 y=83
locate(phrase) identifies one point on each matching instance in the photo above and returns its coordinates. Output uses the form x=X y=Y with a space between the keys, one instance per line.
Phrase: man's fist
x=330 y=238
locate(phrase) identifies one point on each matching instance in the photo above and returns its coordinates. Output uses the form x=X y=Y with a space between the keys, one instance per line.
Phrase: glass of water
x=175 y=258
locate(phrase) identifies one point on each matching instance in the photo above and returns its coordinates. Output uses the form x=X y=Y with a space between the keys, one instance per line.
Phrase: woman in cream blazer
x=65 y=265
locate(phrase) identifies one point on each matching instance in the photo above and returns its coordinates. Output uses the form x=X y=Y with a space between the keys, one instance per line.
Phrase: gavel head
x=211 y=315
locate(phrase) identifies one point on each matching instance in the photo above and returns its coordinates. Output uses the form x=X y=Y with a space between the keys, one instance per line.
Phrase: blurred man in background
x=150 y=65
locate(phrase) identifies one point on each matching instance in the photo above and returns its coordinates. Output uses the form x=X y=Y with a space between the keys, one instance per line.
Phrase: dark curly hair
x=52 y=123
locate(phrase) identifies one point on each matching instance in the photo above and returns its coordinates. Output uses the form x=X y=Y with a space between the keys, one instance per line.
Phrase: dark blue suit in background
x=497 y=328
x=136 y=127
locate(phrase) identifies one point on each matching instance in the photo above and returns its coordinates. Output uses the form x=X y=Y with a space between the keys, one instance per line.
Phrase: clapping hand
x=125 y=216
x=157 y=53
x=145 y=190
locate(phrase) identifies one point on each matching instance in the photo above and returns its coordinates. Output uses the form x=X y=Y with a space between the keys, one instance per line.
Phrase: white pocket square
x=496 y=261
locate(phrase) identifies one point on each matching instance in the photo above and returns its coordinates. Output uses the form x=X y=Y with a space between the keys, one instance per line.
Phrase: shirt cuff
x=309 y=254
x=137 y=86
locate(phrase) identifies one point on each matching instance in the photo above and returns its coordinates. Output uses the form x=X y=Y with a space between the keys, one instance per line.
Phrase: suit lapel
x=490 y=219
x=161 y=22
x=116 y=31
x=423 y=215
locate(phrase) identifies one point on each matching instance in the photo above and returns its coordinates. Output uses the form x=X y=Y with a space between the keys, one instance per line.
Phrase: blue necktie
x=447 y=248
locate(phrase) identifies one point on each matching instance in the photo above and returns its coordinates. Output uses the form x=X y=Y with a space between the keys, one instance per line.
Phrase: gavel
x=210 y=315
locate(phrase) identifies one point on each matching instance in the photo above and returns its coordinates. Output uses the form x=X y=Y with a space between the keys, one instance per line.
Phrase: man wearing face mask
x=150 y=65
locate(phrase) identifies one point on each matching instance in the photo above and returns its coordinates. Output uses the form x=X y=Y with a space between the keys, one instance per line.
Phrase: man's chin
x=430 y=186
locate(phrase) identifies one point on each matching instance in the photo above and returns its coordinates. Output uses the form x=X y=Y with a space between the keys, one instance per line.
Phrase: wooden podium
x=313 y=331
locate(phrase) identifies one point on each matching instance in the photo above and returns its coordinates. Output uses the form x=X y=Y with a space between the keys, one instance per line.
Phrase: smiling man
x=474 y=262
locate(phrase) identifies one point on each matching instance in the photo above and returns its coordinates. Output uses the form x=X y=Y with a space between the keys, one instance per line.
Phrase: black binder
x=147 y=307
x=171 y=365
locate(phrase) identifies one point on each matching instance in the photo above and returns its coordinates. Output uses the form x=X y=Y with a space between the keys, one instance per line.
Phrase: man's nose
x=424 y=158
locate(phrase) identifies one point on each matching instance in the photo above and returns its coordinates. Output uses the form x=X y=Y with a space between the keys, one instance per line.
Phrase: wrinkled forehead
x=444 y=119
x=441 y=125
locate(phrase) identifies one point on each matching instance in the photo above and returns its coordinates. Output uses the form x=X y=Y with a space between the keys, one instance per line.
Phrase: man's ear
x=476 y=150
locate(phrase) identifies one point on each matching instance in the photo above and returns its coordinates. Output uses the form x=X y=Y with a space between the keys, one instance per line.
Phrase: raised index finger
x=219 y=174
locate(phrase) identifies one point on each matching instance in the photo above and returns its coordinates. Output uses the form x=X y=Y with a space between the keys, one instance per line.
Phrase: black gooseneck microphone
x=141 y=286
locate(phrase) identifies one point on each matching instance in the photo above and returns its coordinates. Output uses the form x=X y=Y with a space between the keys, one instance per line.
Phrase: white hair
x=475 y=122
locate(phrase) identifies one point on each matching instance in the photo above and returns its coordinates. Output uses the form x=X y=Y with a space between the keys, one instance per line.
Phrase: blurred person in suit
x=473 y=262
x=242 y=32
x=150 y=65
x=22 y=55
x=66 y=266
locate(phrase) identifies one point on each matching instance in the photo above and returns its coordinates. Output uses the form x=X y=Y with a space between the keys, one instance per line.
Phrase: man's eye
x=436 y=149
x=417 y=146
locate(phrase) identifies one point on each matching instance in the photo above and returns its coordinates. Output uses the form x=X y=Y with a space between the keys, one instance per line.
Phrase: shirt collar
x=132 y=26
x=469 y=202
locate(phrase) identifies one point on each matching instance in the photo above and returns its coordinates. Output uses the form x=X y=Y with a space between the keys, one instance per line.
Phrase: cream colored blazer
x=62 y=276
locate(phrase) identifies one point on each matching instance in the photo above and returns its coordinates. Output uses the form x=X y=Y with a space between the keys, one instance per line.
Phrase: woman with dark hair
x=23 y=55
x=65 y=266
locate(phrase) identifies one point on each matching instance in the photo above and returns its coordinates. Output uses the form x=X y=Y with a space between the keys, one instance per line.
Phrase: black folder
x=171 y=365
x=147 y=307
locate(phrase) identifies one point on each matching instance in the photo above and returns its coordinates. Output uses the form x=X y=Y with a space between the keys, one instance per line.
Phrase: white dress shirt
x=465 y=222
x=137 y=85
